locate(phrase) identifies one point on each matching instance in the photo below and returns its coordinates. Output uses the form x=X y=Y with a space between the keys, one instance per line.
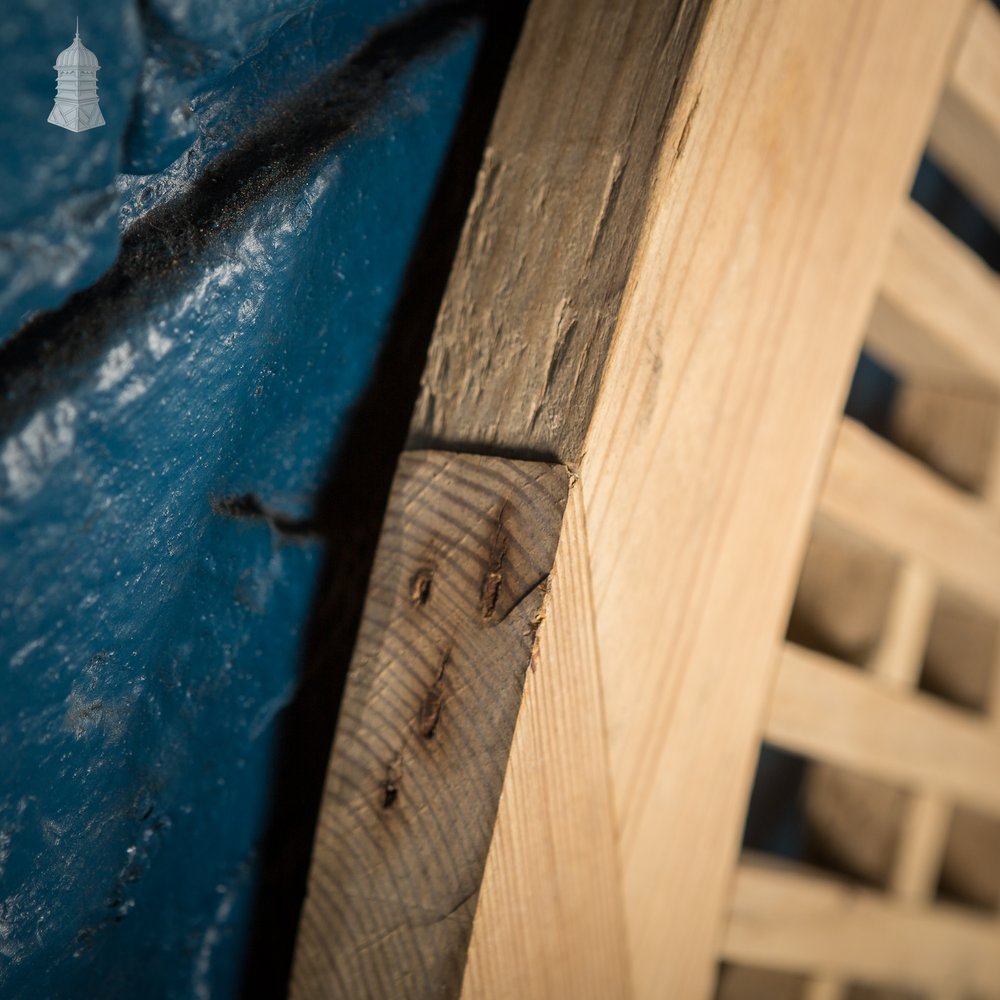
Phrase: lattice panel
x=889 y=683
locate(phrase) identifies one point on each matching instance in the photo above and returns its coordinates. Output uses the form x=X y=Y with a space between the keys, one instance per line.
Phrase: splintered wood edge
x=530 y=310
x=425 y=725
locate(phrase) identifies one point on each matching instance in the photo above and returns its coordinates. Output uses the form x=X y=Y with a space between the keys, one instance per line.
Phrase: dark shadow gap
x=348 y=514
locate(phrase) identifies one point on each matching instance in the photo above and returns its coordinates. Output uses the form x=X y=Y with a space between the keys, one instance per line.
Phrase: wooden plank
x=425 y=725
x=550 y=921
x=921 y=847
x=876 y=490
x=632 y=199
x=965 y=138
x=832 y=712
x=937 y=319
x=787 y=919
x=566 y=181
x=798 y=130
x=900 y=651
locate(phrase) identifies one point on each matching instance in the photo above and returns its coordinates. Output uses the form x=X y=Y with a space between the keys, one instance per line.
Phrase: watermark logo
x=76 y=106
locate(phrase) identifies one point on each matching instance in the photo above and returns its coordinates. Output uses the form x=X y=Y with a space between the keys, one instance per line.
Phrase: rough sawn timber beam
x=747 y=303
x=425 y=725
x=514 y=367
x=662 y=284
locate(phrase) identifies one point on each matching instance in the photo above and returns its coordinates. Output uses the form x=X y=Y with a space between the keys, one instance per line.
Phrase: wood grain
x=834 y=713
x=791 y=920
x=746 y=307
x=900 y=652
x=682 y=214
x=425 y=725
x=550 y=922
x=965 y=139
x=528 y=316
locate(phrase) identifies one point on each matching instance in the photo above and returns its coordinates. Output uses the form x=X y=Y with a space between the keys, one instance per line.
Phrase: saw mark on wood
x=489 y=593
x=430 y=710
x=420 y=585
x=433 y=695
x=682 y=142
x=608 y=200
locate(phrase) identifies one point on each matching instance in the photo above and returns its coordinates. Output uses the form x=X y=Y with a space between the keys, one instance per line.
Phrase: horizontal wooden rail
x=838 y=714
x=965 y=138
x=893 y=500
x=937 y=319
x=784 y=918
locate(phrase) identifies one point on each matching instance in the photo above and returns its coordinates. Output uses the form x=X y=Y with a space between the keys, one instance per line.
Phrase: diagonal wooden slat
x=788 y=919
x=937 y=319
x=893 y=500
x=835 y=713
x=733 y=353
x=966 y=134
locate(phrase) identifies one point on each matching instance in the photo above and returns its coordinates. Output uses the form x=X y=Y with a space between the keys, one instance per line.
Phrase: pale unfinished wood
x=826 y=988
x=425 y=725
x=965 y=138
x=937 y=319
x=787 y=919
x=826 y=710
x=921 y=849
x=875 y=490
x=726 y=218
x=900 y=652
x=550 y=922
x=746 y=308
x=924 y=829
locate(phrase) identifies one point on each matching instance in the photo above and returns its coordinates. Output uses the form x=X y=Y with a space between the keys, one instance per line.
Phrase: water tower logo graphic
x=76 y=106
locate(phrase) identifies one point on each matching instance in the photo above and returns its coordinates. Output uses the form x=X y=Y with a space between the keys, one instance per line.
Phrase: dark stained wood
x=426 y=724
x=559 y=210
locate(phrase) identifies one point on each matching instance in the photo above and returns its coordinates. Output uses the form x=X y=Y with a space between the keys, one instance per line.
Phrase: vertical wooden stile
x=662 y=286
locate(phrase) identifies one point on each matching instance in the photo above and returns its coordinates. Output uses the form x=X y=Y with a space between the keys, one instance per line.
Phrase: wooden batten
x=566 y=185
x=937 y=319
x=896 y=502
x=832 y=712
x=677 y=236
x=550 y=921
x=745 y=313
x=788 y=919
x=965 y=138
